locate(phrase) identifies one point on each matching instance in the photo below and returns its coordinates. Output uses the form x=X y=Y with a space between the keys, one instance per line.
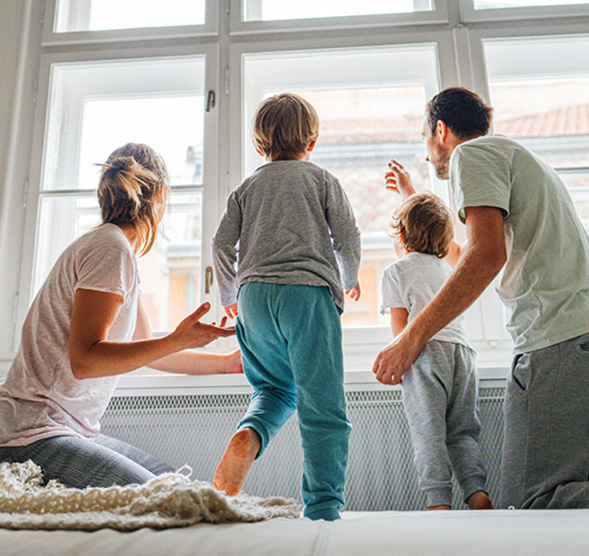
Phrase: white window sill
x=147 y=382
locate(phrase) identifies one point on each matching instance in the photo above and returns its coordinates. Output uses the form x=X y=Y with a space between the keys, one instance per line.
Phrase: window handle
x=210 y=100
x=208 y=279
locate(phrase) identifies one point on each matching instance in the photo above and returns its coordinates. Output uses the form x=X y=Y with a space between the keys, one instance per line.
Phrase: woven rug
x=170 y=500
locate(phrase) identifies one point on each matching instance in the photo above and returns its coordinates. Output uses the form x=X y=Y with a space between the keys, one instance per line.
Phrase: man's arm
x=481 y=259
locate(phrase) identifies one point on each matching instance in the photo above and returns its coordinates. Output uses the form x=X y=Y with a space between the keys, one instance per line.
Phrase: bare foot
x=236 y=462
x=444 y=507
x=479 y=500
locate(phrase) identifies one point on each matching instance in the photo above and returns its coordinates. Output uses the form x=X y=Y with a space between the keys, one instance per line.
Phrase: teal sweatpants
x=291 y=344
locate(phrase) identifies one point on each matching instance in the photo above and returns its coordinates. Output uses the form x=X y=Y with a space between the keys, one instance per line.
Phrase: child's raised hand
x=231 y=311
x=399 y=180
x=354 y=293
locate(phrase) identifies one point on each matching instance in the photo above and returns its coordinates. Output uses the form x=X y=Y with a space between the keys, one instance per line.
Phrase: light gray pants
x=546 y=444
x=440 y=395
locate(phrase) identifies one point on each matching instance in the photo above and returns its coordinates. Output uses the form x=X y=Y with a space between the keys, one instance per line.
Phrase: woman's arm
x=92 y=355
x=187 y=361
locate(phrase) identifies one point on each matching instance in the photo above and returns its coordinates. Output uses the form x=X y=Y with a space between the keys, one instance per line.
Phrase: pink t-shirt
x=41 y=398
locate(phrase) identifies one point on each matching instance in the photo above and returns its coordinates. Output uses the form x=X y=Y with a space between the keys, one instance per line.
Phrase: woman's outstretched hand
x=398 y=179
x=191 y=333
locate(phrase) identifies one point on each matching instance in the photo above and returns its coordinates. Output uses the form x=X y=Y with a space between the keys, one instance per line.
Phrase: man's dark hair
x=462 y=110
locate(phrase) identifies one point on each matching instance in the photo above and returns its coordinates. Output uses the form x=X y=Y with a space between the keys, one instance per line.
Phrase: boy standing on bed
x=287 y=227
x=440 y=393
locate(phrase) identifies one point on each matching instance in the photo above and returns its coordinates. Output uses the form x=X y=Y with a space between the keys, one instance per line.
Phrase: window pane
x=96 y=15
x=173 y=128
x=578 y=184
x=256 y=10
x=170 y=272
x=550 y=116
x=61 y=220
x=367 y=115
x=494 y=4
x=540 y=99
x=95 y=108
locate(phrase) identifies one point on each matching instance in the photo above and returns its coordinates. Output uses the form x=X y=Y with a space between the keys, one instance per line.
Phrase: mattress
x=444 y=533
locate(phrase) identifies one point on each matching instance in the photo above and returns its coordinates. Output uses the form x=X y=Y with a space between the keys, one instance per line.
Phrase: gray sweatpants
x=546 y=444
x=440 y=395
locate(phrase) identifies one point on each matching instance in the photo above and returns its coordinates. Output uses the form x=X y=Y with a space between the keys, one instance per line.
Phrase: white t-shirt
x=545 y=281
x=411 y=282
x=40 y=397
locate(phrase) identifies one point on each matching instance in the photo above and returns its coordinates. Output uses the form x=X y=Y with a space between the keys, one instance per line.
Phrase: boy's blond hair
x=423 y=223
x=284 y=126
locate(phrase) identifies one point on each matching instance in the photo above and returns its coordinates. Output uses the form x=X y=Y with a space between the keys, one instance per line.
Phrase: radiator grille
x=195 y=429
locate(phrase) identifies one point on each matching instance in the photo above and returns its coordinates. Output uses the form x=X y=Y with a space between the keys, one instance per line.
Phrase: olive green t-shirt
x=545 y=281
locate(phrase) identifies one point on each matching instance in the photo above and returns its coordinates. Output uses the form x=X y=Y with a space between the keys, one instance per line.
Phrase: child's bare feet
x=479 y=500
x=444 y=507
x=236 y=462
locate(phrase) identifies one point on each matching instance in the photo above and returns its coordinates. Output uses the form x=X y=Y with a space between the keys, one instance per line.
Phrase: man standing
x=520 y=219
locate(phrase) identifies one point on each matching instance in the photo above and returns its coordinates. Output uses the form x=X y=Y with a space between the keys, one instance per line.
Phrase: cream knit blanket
x=170 y=500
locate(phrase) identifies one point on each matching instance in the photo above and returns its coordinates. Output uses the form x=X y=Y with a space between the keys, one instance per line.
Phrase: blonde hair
x=284 y=126
x=423 y=223
x=131 y=178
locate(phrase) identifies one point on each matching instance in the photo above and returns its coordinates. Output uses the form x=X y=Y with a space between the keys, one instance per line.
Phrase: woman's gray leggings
x=80 y=462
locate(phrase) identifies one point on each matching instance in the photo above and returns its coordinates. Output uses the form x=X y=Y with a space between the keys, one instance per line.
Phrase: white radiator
x=194 y=429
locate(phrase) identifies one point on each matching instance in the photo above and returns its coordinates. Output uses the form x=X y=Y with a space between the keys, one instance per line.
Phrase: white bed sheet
x=456 y=533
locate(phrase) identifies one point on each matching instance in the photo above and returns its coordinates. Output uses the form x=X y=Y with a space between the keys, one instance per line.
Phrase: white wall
x=19 y=51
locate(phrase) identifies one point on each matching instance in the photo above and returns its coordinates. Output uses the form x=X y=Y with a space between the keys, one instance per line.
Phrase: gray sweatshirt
x=290 y=222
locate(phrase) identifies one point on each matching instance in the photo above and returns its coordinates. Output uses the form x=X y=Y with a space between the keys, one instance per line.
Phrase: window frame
x=240 y=26
x=34 y=194
x=443 y=48
x=470 y=14
x=50 y=37
x=456 y=28
x=362 y=343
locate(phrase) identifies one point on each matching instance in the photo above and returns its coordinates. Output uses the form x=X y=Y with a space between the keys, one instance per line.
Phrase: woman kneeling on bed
x=86 y=326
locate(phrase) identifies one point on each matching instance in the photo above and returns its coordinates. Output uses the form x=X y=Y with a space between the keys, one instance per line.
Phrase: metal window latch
x=208 y=279
x=210 y=100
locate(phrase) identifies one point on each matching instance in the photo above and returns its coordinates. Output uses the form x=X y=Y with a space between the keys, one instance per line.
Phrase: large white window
x=94 y=108
x=185 y=76
x=540 y=92
x=370 y=102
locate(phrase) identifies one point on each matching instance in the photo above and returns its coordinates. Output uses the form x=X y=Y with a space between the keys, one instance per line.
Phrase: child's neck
x=305 y=157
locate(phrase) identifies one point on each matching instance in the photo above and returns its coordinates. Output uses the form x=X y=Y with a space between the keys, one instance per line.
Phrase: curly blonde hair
x=423 y=223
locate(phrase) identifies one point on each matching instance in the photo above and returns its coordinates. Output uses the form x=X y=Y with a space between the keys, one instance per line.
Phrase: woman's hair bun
x=123 y=163
x=130 y=182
